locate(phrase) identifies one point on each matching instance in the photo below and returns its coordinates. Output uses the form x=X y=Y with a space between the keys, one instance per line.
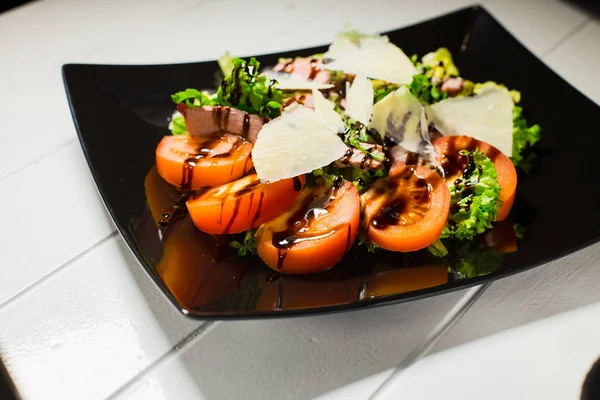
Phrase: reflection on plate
x=121 y=114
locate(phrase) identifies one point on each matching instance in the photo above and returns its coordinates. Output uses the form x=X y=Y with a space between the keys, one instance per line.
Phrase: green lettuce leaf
x=248 y=91
x=177 y=125
x=422 y=88
x=226 y=64
x=474 y=197
x=248 y=246
x=193 y=98
x=524 y=137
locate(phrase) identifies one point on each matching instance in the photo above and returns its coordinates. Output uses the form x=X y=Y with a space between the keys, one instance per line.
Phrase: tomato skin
x=407 y=211
x=242 y=204
x=447 y=148
x=192 y=163
x=324 y=238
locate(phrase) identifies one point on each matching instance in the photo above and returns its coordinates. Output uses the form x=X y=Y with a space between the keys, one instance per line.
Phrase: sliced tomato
x=407 y=211
x=242 y=204
x=192 y=163
x=315 y=233
x=448 y=147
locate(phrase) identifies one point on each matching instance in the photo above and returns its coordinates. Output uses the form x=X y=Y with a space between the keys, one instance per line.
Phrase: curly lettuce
x=427 y=92
x=524 y=137
x=247 y=246
x=177 y=125
x=248 y=91
x=474 y=198
x=194 y=98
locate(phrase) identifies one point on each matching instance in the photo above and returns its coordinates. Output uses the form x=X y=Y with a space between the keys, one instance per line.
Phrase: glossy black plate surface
x=121 y=113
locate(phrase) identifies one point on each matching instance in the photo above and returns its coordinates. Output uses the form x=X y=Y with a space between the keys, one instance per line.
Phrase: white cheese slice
x=399 y=116
x=293 y=82
x=371 y=56
x=359 y=99
x=325 y=111
x=293 y=144
x=487 y=117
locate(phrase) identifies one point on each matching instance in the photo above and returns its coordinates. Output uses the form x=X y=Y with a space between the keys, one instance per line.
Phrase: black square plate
x=121 y=113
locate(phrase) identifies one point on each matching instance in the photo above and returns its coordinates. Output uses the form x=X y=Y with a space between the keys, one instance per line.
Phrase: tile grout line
x=565 y=38
x=182 y=345
x=38 y=159
x=439 y=331
x=52 y=273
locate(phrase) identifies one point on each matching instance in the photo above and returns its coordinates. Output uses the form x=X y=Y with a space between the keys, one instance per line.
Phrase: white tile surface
x=544 y=360
x=88 y=329
x=538 y=24
x=299 y=357
x=35 y=131
x=54 y=213
x=559 y=286
x=577 y=60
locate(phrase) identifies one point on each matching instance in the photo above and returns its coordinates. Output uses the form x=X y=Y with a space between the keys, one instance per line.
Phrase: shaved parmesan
x=325 y=111
x=487 y=117
x=372 y=56
x=295 y=143
x=294 y=82
x=400 y=116
x=359 y=99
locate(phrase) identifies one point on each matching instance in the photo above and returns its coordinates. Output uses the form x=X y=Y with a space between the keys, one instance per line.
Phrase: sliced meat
x=453 y=86
x=307 y=68
x=206 y=120
x=305 y=99
x=357 y=159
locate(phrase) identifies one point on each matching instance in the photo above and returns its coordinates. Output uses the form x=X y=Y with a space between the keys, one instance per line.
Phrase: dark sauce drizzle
x=297 y=184
x=412 y=197
x=297 y=223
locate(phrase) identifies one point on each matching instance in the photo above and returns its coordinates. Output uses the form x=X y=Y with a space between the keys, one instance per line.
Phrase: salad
x=358 y=147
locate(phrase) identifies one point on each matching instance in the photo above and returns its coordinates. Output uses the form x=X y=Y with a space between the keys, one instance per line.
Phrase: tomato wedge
x=242 y=204
x=315 y=233
x=447 y=147
x=192 y=163
x=408 y=211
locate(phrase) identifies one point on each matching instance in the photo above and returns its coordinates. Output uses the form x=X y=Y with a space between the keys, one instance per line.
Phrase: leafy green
x=327 y=174
x=248 y=247
x=422 y=88
x=193 y=98
x=438 y=249
x=361 y=179
x=382 y=89
x=248 y=91
x=177 y=125
x=474 y=196
x=357 y=133
x=523 y=138
x=369 y=246
x=226 y=64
